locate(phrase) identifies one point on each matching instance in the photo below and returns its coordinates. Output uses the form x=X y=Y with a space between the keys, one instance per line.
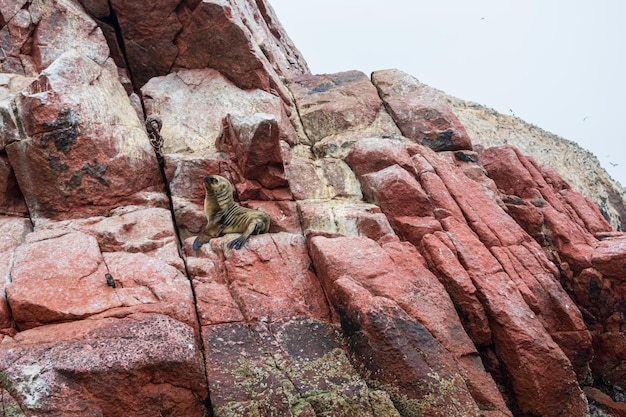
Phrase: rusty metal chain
x=153 y=127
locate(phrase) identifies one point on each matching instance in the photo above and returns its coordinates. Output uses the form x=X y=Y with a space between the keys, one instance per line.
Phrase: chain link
x=153 y=127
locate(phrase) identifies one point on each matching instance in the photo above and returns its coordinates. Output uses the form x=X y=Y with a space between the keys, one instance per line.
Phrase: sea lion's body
x=224 y=216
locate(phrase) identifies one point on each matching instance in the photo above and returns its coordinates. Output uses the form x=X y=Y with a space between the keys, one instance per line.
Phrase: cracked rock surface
x=407 y=271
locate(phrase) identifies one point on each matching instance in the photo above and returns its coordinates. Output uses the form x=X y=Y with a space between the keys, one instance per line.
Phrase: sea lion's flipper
x=238 y=242
x=245 y=236
x=197 y=243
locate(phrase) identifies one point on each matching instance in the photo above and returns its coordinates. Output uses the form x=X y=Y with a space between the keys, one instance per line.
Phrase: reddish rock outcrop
x=404 y=273
x=74 y=369
x=421 y=112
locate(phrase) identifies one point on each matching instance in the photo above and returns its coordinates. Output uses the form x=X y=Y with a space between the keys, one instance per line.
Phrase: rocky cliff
x=578 y=167
x=406 y=273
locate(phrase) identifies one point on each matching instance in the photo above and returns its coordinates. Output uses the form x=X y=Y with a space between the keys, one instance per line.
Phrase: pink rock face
x=421 y=112
x=70 y=265
x=385 y=296
x=338 y=103
x=564 y=223
x=254 y=142
x=86 y=151
x=281 y=285
x=72 y=369
x=194 y=34
x=396 y=278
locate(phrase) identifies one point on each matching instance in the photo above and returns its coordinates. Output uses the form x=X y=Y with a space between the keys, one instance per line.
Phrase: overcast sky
x=559 y=64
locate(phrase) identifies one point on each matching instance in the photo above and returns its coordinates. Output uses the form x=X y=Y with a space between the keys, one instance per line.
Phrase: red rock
x=10 y=86
x=63 y=278
x=148 y=36
x=604 y=402
x=16 y=29
x=546 y=385
x=107 y=367
x=7 y=250
x=283 y=215
x=537 y=282
x=401 y=354
x=213 y=98
x=47 y=267
x=610 y=354
x=443 y=261
x=148 y=285
x=270 y=278
x=609 y=257
x=96 y=8
x=567 y=229
x=84 y=143
x=397 y=192
x=255 y=143
x=444 y=204
x=421 y=112
x=337 y=103
x=390 y=286
x=518 y=180
x=63 y=27
x=11 y=198
x=212 y=34
x=588 y=213
x=480 y=210
x=373 y=154
x=413 y=229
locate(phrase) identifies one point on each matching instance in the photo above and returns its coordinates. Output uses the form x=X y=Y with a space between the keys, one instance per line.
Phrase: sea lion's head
x=215 y=184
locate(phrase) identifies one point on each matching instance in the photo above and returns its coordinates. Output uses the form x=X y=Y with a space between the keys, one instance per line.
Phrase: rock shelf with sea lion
x=224 y=216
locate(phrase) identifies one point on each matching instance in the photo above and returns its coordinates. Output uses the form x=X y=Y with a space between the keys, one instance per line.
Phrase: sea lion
x=224 y=216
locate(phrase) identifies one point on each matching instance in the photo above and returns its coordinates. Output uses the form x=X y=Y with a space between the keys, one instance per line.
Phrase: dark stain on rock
x=55 y=163
x=441 y=142
x=95 y=171
x=64 y=131
x=464 y=157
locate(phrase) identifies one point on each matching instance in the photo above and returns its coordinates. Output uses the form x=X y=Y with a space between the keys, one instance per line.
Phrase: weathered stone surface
x=458 y=261
x=241 y=39
x=385 y=296
x=194 y=103
x=10 y=86
x=338 y=103
x=325 y=178
x=63 y=27
x=609 y=257
x=443 y=261
x=11 y=198
x=37 y=33
x=142 y=365
x=604 y=403
x=16 y=29
x=546 y=385
x=340 y=218
x=578 y=167
x=254 y=143
x=421 y=112
x=290 y=368
x=86 y=151
x=62 y=277
x=7 y=250
x=269 y=279
x=373 y=154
